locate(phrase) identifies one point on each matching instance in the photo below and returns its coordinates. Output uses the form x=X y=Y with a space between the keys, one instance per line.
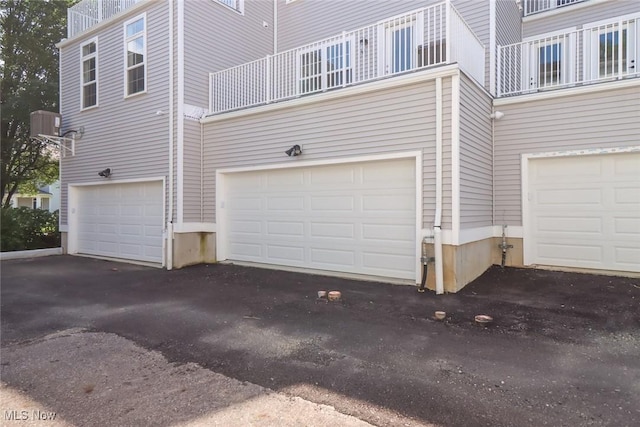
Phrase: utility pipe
x=169 y=258
x=437 y=222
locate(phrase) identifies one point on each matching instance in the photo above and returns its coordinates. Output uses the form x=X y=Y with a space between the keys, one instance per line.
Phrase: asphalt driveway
x=564 y=348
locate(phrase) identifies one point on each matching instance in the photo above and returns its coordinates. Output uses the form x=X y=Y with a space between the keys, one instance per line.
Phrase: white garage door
x=356 y=218
x=585 y=212
x=121 y=221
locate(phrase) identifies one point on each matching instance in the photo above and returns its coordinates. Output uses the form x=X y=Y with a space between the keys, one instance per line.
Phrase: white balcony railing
x=420 y=39
x=605 y=52
x=532 y=7
x=88 y=13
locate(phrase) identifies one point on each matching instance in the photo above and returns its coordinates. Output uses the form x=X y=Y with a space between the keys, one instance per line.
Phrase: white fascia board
x=407 y=79
x=562 y=92
x=471 y=235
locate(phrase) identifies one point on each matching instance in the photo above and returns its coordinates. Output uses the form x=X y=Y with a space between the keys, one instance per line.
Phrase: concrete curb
x=30 y=254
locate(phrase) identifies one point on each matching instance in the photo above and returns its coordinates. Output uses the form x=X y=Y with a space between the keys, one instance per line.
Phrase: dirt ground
x=563 y=348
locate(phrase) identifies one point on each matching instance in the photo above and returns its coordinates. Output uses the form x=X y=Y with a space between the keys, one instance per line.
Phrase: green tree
x=29 y=71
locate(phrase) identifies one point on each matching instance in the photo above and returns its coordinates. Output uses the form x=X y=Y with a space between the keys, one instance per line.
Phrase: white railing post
x=498 y=71
x=99 y=6
x=69 y=23
x=267 y=79
x=343 y=48
x=448 y=34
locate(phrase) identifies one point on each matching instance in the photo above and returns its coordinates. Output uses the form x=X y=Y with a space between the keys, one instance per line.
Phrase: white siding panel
x=508 y=22
x=476 y=165
x=588 y=121
x=125 y=135
x=217 y=38
x=192 y=172
x=575 y=17
x=388 y=121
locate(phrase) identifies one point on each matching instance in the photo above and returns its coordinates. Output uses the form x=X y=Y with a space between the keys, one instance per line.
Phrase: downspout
x=169 y=259
x=437 y=221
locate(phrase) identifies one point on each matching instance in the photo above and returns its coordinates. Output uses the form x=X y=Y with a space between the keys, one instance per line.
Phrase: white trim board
x=471 y=235
x=561 y=10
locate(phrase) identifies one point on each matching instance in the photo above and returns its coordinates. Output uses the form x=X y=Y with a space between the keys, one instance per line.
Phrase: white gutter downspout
x=437 y=222
x=169 y=259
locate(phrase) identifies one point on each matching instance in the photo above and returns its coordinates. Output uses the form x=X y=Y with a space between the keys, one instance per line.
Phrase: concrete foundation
x=64 y=242
x=193 y=248
x=514 y=258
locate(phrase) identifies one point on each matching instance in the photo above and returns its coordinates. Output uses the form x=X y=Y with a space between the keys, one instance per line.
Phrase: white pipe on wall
x=437 y=222
x=169 y=228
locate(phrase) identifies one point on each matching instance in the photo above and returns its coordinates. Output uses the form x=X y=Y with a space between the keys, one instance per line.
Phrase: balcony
x=531 y=7
x=605 y=52
x=88 y=13
x=417 y=40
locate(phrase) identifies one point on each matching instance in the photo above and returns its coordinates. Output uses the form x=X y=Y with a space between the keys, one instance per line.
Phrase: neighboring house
x=338 y=137
x=48 y=198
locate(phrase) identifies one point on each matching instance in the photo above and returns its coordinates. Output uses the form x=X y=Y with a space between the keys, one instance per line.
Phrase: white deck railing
x=88 y=13
x=605 y=52
x=532 y=7
x=420 y=39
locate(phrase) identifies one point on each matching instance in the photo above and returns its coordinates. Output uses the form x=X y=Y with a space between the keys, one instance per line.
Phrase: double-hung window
x=326 y=66
x=135 y=44
x=89 y=74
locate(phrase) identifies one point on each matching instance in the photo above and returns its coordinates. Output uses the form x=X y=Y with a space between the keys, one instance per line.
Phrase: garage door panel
x=333 y=230
x=338 y=217
x=333 y=257
x=588 y=215
x=121 y=221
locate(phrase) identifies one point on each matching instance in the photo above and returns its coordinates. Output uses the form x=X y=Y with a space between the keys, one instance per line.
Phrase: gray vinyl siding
x=216 y=38
x=392 y=120
x=575 y=17
x=125 y=135
x=476 y=164
x=307 y=21
x=192 y=172
x=508 y=22
x=594 y=120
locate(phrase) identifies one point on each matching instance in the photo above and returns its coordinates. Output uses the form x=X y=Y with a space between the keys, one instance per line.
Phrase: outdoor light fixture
x=105 y=173
x=294 y=151
x=364 y=43
x=497 y=115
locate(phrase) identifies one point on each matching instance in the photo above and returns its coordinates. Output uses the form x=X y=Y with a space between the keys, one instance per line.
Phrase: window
x=135 y=56
x=549 y=66
x=89 y=74
x=612 y=53
x=325 y=67
x=237 y=5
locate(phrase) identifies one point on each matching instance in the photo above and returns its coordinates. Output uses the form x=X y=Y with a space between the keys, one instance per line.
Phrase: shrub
x=25 y=228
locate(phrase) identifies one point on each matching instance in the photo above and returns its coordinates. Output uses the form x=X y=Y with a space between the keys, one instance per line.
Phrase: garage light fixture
x=294 y=151
x=105 y=173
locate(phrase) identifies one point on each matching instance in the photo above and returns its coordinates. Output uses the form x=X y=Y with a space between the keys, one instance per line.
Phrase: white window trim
x=239 y=9
x=82 y=83
x=145 y=61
